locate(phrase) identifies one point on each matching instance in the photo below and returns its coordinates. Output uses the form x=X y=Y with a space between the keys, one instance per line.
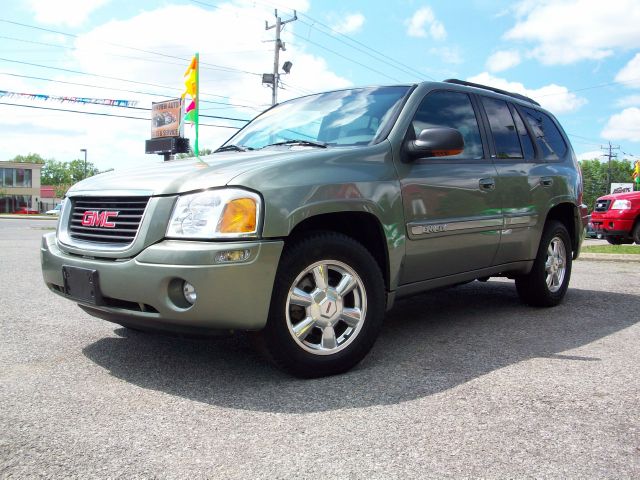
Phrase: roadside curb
x=29 y=217
x=609 y=257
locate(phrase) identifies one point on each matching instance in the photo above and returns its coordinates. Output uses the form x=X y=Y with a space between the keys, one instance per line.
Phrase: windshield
x=346 y=117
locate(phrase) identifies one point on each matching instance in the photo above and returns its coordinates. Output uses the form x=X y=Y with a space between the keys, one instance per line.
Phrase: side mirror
x=436 y=142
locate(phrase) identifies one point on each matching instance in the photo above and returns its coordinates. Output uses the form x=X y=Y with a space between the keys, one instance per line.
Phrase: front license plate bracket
x=82 y=285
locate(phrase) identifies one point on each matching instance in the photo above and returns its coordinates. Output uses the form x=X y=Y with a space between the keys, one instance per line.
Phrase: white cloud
x=628 y=101
x=593 y=154
x=71 y=13
x=568 y=31
x=350 y=23
x=219 y=34
x=630 y=73
x=451 y=55
x=624 y=125
x=503 y=60
x=554 y=98
x=423 y=24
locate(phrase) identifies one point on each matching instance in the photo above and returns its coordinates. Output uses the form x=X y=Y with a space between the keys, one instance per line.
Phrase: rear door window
x=525 y=138
x=548 y=137
x=503 y=128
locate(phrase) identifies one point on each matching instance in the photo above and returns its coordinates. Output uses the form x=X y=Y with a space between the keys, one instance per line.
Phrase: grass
x=620 y=249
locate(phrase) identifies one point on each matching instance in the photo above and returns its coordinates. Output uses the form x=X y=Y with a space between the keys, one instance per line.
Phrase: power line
x=385 y=58
x=10 y=94
x=104 y=114
x=151 y=52
x=100 y=87
x=345 y=57
x=117 y=79
x=144 y=59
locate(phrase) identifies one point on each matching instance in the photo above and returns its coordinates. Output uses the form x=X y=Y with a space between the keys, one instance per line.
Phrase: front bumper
x=141 y=291
x=613 y=226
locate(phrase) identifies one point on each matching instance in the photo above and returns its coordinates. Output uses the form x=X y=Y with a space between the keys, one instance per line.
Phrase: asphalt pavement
x=462 y=383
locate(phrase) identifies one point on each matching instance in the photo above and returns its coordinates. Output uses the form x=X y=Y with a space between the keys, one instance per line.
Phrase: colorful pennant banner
x=86 y=100
x=191 y=83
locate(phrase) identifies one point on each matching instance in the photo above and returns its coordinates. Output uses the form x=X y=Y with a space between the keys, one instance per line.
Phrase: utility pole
x=610 y=155
x=275 y=80
x=85 y=162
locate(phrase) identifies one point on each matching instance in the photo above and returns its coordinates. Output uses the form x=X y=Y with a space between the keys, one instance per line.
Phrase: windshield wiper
x=232 y=148
x=309 y=143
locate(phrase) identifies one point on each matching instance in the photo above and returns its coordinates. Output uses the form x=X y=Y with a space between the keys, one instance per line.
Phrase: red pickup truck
x=617 y=217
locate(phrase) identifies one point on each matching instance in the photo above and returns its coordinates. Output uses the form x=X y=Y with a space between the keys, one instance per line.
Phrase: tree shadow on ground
x=430 y=343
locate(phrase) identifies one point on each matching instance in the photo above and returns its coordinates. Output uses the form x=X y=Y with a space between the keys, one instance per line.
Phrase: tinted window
x=454 y=110
x=503 y=129
x=525 y=139
x=547 y=135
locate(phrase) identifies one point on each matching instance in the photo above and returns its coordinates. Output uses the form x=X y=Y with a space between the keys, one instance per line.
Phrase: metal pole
x=85 y=162
x=276 y=62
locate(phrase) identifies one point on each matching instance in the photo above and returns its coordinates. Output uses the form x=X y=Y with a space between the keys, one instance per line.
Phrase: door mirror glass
x=436 y=142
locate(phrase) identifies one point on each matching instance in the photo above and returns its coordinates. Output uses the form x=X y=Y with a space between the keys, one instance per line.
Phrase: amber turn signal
x=239 y=216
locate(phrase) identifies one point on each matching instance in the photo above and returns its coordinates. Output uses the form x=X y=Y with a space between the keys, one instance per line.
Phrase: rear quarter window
x=547 y=136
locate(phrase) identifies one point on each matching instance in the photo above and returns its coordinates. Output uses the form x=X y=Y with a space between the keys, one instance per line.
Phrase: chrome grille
x=602 y=205
x=126 y=223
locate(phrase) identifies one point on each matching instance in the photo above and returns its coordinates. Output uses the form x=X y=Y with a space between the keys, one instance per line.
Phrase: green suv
x=310 y=221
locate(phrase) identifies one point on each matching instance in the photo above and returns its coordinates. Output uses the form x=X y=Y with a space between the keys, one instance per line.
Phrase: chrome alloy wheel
x=556 y=264
x=326 y=307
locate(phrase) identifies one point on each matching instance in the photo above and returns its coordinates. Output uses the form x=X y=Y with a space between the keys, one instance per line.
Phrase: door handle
x=546 y=181
x=487 y=184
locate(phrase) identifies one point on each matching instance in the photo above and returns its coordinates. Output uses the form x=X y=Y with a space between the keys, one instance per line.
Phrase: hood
x=179 y=176
x=621 y=196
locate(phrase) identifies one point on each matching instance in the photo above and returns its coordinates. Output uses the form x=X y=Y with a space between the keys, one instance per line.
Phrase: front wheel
x=547 y=283
x=327 y=306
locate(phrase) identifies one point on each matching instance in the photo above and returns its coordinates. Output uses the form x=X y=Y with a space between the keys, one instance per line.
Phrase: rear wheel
x=547 y=283
x=327 y=306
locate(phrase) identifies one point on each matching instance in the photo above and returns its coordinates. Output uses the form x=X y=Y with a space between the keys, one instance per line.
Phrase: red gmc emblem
x=92 y=218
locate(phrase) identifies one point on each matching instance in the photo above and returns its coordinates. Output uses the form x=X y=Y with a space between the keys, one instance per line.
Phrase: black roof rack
x=497 y=90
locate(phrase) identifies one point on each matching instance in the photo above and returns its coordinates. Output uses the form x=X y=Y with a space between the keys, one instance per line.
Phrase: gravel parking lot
x=464 y=382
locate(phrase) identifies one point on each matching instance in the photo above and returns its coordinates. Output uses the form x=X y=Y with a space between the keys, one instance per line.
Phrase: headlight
x=226 y=213
x=621 y=205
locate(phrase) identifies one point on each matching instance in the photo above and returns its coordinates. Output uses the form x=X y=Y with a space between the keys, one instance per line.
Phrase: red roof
x=47 y=191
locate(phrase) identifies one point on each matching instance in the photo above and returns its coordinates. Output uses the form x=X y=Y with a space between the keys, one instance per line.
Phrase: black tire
x=614 y=240
x=300 y=356
x=636 y=233
x=533 y=288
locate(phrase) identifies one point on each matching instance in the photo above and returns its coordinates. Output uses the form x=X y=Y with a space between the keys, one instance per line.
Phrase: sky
x=580 y=59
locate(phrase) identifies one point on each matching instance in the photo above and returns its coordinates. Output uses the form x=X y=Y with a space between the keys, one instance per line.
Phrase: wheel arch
x=569 y=215
x=364 y=227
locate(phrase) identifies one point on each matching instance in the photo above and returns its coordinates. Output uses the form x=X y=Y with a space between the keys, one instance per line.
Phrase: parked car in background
x=55 y=210
x=26 y=211
x=617 y=217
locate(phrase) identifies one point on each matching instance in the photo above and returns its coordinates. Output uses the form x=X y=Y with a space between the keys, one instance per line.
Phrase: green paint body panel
x=436 y=221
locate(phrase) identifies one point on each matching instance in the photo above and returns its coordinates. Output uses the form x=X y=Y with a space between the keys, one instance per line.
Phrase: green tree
x=595 y=175
x=77 y=170
x=29 y=158
x=55 y=172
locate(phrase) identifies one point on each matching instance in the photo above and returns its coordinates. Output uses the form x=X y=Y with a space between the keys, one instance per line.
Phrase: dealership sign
x=621 y=187
x=166 y=118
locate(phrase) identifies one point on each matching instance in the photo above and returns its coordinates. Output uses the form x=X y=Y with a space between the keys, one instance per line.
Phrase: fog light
x=230 y=256
x=189 y=292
